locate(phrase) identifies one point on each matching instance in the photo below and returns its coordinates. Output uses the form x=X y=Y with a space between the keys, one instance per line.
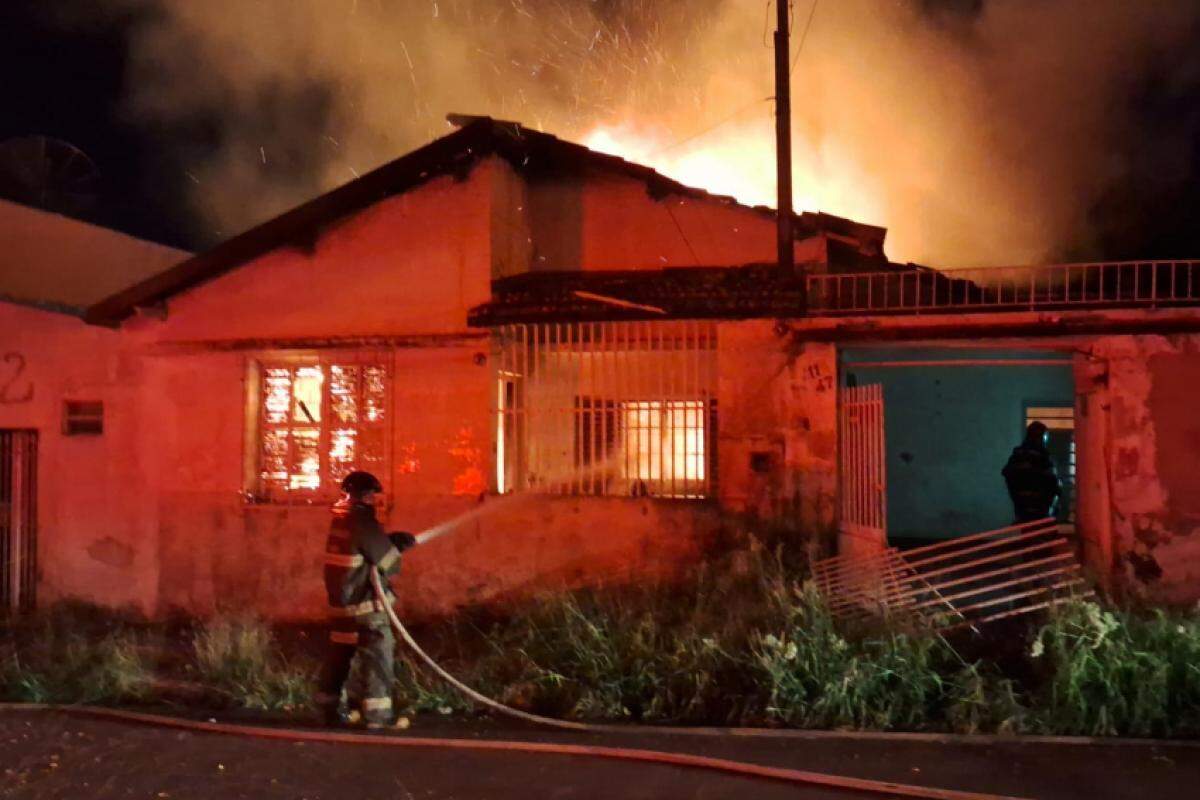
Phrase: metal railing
x=1111 y=284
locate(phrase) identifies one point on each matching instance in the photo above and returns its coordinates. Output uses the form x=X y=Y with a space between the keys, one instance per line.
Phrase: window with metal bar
x=606 y=408
x=318 y=421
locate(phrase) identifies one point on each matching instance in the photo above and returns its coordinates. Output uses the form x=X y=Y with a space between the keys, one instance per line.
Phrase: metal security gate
x=863 y=471
x=18 y=521
x=961 y=582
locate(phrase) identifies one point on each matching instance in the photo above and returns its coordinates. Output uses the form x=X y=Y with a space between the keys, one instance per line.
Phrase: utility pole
x=783 y=140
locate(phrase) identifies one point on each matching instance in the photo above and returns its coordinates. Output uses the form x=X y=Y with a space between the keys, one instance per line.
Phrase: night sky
x=68 y=82
x=68 y=72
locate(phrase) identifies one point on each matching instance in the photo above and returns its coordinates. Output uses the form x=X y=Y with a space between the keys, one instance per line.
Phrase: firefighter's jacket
x=1032 y=481
x=357 y=544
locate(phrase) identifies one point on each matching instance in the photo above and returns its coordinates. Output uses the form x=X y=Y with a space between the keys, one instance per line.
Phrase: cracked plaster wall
x=1138 y=423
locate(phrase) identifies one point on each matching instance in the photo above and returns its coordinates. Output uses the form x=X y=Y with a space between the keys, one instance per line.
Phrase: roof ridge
x=476 y=136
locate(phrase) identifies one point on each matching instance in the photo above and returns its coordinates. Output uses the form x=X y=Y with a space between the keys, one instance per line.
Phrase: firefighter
x=357 y=544
x=1031 y=478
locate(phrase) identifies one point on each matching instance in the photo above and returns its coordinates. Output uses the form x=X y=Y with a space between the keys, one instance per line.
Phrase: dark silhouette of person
x=1031 y=478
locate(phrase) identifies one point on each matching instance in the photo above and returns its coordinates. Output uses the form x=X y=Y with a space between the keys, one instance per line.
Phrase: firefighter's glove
x=402 y=540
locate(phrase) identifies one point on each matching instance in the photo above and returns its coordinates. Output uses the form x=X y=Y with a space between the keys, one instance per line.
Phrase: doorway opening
x=18 y=521
x=949 y=419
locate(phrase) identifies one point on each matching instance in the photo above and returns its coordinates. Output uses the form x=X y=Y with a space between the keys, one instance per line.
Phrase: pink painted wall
x=215 y=552
x=612 y=223
x=410 y=266
x=93 y=537
x=1140 y=445
x=413 y=263
x=778 y=399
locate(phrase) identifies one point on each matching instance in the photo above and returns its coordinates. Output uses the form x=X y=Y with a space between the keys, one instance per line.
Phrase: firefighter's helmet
x=359 y=482
x=1037 y=435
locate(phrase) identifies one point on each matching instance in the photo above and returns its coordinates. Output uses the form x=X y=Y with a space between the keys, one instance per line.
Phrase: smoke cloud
x=978 y=132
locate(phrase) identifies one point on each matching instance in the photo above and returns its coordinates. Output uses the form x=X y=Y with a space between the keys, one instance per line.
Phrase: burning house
x=603 y=363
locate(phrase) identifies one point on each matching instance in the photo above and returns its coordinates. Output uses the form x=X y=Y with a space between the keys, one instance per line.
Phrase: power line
x=729 y=118
x=811 y=13
x=743 y=109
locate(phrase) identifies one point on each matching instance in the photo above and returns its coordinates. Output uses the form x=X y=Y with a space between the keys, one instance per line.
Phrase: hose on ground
x=727 y=766
x=678 y=759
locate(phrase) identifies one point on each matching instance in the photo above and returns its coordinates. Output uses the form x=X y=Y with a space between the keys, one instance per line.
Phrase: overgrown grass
x=662 y=653
x=77 y=656
x=764 y=650
x=74 y=653
x=239 y=660
x=740 y=642
x=1116 y=673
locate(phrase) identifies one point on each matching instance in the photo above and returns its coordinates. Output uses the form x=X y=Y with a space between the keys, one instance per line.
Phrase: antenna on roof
x=47 y=173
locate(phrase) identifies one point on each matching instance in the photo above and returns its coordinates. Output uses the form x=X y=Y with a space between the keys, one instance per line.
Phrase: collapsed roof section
x=531 y=152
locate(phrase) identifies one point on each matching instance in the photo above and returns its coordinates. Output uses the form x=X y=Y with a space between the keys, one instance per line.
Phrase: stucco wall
x=414 y=263
x=777 y=412
x=216 y=552
x=1139 y=412
x=613 y=223
x=92 y=540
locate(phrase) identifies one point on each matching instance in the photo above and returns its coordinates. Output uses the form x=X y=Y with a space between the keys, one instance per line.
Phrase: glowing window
x=608 y=408
x=316 y=423
x=663 y=451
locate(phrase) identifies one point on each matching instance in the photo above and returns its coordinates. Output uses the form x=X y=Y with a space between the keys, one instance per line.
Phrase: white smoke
x=979 y=136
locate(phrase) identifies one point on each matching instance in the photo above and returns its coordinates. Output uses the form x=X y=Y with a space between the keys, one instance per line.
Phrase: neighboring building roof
x=61 y=264
x=477 y=137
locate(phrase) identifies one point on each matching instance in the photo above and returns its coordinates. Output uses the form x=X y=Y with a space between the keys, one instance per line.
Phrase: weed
x=819 y=677
x=1106 y=673
x=71 y=669
x=239 y=659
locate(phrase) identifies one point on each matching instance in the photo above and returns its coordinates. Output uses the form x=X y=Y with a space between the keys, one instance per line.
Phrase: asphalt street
x=52 y=755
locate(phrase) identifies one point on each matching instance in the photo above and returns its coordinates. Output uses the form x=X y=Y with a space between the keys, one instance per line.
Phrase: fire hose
x=725 y=766
x=654 y=756
x=721 y=765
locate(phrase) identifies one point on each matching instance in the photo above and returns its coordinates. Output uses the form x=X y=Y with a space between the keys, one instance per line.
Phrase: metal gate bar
x=607 y=408
x=959 y=582
x=863 y=468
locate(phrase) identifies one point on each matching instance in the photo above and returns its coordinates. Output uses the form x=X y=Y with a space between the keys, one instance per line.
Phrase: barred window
x=318 y=421
x=610 y=408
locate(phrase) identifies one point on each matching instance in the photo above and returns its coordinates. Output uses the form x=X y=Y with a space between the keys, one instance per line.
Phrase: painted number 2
x=12 y=389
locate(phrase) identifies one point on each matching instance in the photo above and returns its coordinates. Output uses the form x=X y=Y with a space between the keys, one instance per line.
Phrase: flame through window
x=609 y=408
x=318 y=422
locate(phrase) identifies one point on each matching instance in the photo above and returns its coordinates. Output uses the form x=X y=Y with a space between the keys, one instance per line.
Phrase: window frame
x=582 y=406
x=259 y=491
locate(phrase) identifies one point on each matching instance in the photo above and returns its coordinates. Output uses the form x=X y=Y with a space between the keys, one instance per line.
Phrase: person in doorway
x=357 y=545
x=1032 y=480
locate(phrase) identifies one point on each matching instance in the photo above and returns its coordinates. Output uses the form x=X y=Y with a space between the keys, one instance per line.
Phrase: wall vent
x=83 y=418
